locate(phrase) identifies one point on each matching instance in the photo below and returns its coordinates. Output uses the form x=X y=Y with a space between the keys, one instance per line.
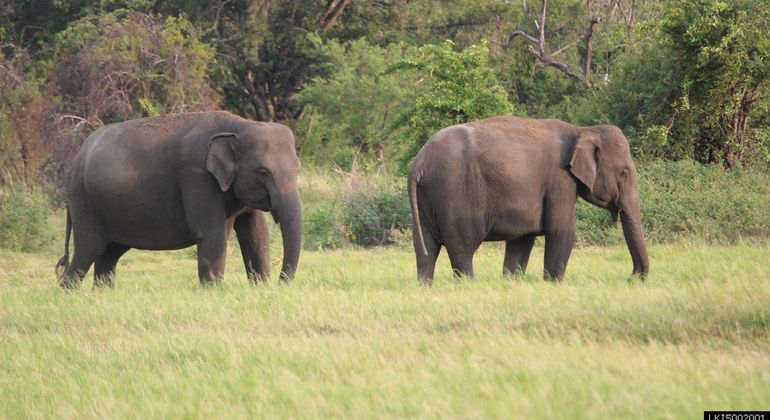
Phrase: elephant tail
x=64 y=261
x=412 y=188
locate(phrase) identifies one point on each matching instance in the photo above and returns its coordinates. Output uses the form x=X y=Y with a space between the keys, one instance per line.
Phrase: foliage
x=687 y=200
x=320 y=229
x=461 y=87
x=702 y=90
x=680 y=201
x=124 y=65
x=266 y=56
x=23 y=218
x=371 y=211
x=352 y=107
x=24 y=146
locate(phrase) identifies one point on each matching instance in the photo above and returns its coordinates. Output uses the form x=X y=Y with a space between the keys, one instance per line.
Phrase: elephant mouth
x=263 y=203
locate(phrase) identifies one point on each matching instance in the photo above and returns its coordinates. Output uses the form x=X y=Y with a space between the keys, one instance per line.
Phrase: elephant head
x=601 y=161
x=260 y=164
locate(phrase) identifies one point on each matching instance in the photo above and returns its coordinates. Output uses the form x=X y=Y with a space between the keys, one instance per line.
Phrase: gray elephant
x=180 y=180
x=513 y=179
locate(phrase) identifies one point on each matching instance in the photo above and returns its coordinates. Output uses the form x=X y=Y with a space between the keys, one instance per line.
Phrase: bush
x=371 y=210
x=680 y=201
x=687 y=200
x=321 y=230
x=342 y=209
x=23 y=218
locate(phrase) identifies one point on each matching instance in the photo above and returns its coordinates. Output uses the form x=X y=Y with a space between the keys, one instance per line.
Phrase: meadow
x=354 y=335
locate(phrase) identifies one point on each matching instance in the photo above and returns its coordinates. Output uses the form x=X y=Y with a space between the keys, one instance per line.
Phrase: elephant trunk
x=290 y=218
x=631 y=221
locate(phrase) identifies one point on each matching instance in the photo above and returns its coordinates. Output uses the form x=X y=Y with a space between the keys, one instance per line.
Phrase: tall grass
x=354 y=335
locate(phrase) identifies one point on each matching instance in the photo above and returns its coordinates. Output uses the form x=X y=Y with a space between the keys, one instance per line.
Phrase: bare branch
x=334 y=12
x=514 y=34
x=564 y=48
x=587 y=37
x=537 y=48
x=541 y=43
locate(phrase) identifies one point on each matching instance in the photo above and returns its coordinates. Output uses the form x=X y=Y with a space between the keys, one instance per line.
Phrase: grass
x=354 y=335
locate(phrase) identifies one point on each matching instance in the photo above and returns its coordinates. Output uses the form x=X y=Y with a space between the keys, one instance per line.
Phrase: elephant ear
x=220 y=160
x=584 y=158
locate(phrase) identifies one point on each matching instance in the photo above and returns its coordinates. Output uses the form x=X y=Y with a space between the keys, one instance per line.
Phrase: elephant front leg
x=212 y=252
x=558 y=247
x=254 y=239
x=517 y=253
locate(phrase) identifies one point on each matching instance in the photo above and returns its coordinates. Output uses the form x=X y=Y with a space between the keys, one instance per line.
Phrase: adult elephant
x=512 y=179
x=180 y=180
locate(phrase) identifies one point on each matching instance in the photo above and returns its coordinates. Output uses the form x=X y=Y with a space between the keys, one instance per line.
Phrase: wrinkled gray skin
x=512 y=179
x=182 y=180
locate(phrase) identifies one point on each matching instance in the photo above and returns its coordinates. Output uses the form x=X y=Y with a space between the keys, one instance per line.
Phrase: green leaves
x=125 y=65
x=352 y=107
x=460 y=87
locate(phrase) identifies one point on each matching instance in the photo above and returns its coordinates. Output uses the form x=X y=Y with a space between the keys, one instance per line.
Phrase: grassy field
x=354 y=335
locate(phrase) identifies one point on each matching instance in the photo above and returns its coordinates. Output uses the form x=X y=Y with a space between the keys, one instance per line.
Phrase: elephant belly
x=162 y=228
x=143 y=221
x=515 y=223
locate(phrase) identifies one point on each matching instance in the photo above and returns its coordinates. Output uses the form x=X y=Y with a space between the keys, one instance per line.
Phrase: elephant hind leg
x=104 y=266
x=426 y=264
x=517 y=253
x=81 y=262
x=461 y=257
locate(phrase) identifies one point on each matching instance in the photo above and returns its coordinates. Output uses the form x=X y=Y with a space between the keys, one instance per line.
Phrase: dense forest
x=364 y=83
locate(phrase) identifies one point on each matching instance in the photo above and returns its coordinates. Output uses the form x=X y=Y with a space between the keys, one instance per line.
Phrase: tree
x=461 y=87
x=125 y=65
x=353 y=106
x=698 y=84
x=24 y=146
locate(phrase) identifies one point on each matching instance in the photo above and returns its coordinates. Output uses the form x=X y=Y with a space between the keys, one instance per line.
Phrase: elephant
x=179 y=180
x=512 y=179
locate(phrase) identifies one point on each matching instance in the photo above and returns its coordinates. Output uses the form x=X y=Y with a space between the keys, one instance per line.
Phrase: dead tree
x=538 y=49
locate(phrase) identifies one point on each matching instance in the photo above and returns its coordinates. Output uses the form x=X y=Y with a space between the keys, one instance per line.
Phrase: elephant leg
x=104 y=267
x=462 y=263
x=77 y=269
x=558 y=247
x=254 y=239
x=461 y=258
x=212 y=252
x=517 y=255
x=426 y=264
x=89 y=244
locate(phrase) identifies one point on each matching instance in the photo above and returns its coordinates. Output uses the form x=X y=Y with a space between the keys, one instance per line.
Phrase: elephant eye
x=624 y=172
x=263 y=172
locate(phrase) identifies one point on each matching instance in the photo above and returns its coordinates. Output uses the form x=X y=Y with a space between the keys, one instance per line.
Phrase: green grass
x=354 y=335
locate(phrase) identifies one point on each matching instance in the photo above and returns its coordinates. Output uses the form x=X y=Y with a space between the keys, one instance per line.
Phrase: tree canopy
x=367 y=82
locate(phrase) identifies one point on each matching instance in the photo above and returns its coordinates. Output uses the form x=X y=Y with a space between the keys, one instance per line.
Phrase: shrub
x=687 y=200
x=23 y=218
x=371 y=209
x=320 y=227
